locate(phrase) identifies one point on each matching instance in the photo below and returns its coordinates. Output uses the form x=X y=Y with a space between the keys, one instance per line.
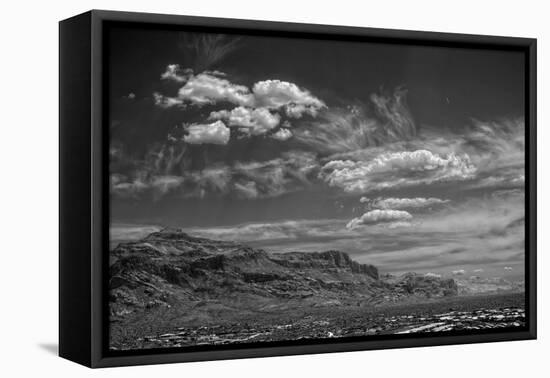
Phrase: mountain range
x=206 y=277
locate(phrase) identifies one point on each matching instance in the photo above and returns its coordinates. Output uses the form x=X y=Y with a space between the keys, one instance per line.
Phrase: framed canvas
x=233 y=188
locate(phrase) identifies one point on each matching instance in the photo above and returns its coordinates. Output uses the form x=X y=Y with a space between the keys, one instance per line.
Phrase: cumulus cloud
x=282 y=134
x=213 y=133
x=364 y=200
x=379 y=216
x=209 y=87
x=406 y=203
x=397 y=169
x=479 y=270
x=275 y=94
x=459 y=272
x=175 y=73
x=250 y=121
x=508 y=268
x=258 y=109
x=206 y=88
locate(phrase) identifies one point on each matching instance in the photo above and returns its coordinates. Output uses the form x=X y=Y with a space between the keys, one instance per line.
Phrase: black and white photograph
x=268 y=189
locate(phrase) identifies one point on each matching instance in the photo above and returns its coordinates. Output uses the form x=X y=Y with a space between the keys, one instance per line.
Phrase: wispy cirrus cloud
x=405 y=203
x=204 y=50
x=291 y=172
x=385 y=119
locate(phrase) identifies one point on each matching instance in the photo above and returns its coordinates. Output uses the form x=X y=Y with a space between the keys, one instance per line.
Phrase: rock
x=171 y=267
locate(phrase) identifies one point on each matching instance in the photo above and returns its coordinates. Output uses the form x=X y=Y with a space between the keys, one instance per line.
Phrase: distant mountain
x=488 y=285
x=208 y=278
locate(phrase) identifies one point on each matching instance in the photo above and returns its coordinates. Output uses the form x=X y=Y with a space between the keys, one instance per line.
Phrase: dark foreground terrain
x=171 y=289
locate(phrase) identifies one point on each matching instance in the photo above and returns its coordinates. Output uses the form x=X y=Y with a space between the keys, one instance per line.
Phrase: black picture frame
x=84 y=191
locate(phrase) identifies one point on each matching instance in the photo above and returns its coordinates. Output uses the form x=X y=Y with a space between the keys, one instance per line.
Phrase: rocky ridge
x=202 y=276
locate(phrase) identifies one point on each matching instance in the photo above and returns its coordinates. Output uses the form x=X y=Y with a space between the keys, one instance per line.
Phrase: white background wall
x=29 y=174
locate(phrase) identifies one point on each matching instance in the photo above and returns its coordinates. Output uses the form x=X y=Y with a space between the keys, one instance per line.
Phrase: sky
x=410 y=158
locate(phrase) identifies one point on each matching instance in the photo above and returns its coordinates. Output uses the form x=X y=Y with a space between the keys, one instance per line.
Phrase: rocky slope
x=206 y=279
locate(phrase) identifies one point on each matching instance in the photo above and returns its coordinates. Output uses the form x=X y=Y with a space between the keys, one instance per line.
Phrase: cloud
x=250 y=121
x=247 y=190
x=204 y=50
x=282 y=134
x=277 y=231
x=258 y=110
x=291 y=172
x=166 y=169
x=395 y=170
x=364 y=200
x=379 y=216
x=213 y=133
x=479 y=270
x=399 y=224
x=166 y=102
x=459 y=272
x=385 y=119
x=206 y=88
x=497 y=148
x=393 y=111
x=121 y=185
x=508 y=268
x=158 y=185
x=175 y=73
x=164 y=184
x=405 y=203
x=275 y=94
x=486 y=230
x=120 y=232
